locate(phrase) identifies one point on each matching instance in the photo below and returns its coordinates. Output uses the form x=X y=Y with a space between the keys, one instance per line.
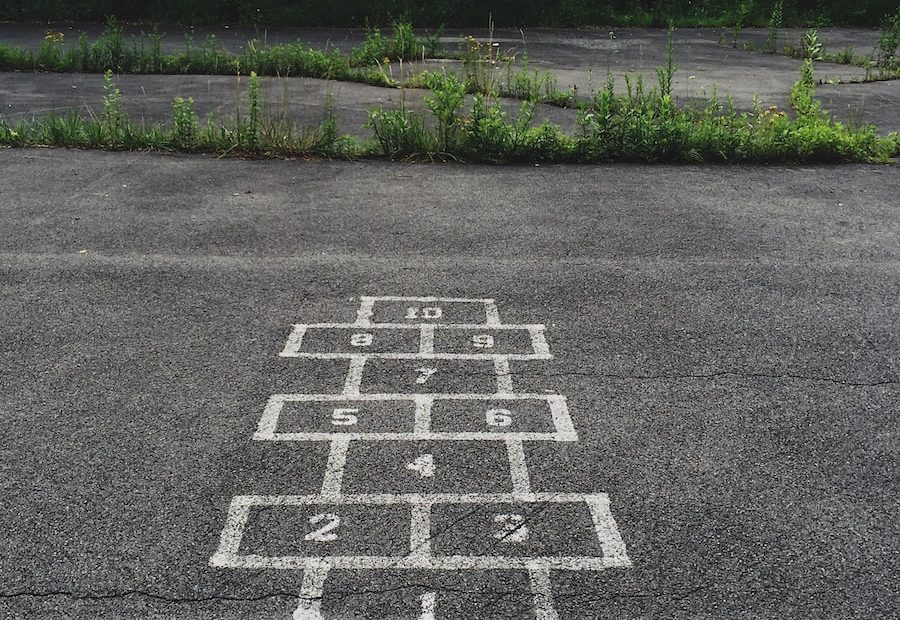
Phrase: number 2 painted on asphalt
x=326 y=532
x=424 y=374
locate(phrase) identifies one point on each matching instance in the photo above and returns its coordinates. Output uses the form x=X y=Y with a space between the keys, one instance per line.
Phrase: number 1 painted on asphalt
x=428 y=604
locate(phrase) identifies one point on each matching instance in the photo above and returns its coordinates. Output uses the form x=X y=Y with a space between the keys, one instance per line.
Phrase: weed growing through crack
x=775 y=19
x=888 y=41
x=253 y=118
x=810 y=46
x=114 y=118
x=185 y=124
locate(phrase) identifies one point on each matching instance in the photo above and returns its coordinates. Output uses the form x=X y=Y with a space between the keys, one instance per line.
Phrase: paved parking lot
x=248 y=389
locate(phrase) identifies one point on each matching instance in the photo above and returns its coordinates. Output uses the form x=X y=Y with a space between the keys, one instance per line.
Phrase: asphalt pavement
x=725 y=339
x=707 y=61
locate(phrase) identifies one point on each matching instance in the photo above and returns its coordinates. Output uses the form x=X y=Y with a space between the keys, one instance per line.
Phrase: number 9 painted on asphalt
x=483 y=341
x=498 y=417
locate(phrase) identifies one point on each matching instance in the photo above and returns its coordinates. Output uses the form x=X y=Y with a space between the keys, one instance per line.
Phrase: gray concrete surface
x=727 y=338
x=577 y=58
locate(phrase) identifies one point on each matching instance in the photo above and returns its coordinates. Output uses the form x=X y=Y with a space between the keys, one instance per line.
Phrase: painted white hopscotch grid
x=426 y=328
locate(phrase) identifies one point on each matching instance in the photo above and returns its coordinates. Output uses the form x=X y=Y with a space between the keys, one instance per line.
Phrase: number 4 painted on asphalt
x=424 y=465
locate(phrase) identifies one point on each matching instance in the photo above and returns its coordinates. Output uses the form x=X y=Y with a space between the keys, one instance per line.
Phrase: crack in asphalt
x=145 y=594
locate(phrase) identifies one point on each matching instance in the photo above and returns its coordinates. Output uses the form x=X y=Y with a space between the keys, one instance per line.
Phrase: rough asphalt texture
x=727 y=338
x=581 y=58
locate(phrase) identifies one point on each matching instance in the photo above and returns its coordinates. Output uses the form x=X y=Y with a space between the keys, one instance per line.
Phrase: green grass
x=114 y=51
x=642 y=124
x=882 y=64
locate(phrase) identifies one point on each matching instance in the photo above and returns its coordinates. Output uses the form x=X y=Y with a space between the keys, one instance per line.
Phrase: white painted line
x=420 y=531
x=426 y=340
x=449 y=562
x=384 y=499
x=607 y=531
x=539 y=341
x=422 y=423
x=430 y=299
x=421 y=356
x=542 y=591
x=492 y=315
x=268 y=423
x=354 y=375
x=364 y=314
x=294 y=341
x=310 y=607
x=414 y=396
x=562 y=421
x=233 y=532
x=436 y=326
x=334 y=470
x=420 y=435
x=504 y=378
x=518 y=468
x=429 y=605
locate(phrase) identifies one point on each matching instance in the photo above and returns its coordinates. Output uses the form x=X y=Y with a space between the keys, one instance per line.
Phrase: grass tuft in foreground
x=643 y=124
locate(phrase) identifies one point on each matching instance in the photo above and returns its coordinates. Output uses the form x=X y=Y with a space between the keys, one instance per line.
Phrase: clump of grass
x=113 y=51
x=115 y=130
x=643 y=124
x=185 y=124
x=888 y=41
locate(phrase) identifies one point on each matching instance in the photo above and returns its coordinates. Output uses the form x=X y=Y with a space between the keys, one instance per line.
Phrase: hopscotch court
x=411 y=344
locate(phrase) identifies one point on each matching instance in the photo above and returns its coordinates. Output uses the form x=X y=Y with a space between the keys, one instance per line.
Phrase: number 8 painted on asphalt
x=361 y=340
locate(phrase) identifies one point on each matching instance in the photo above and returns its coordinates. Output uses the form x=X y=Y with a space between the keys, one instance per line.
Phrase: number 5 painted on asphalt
x=344 y=417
